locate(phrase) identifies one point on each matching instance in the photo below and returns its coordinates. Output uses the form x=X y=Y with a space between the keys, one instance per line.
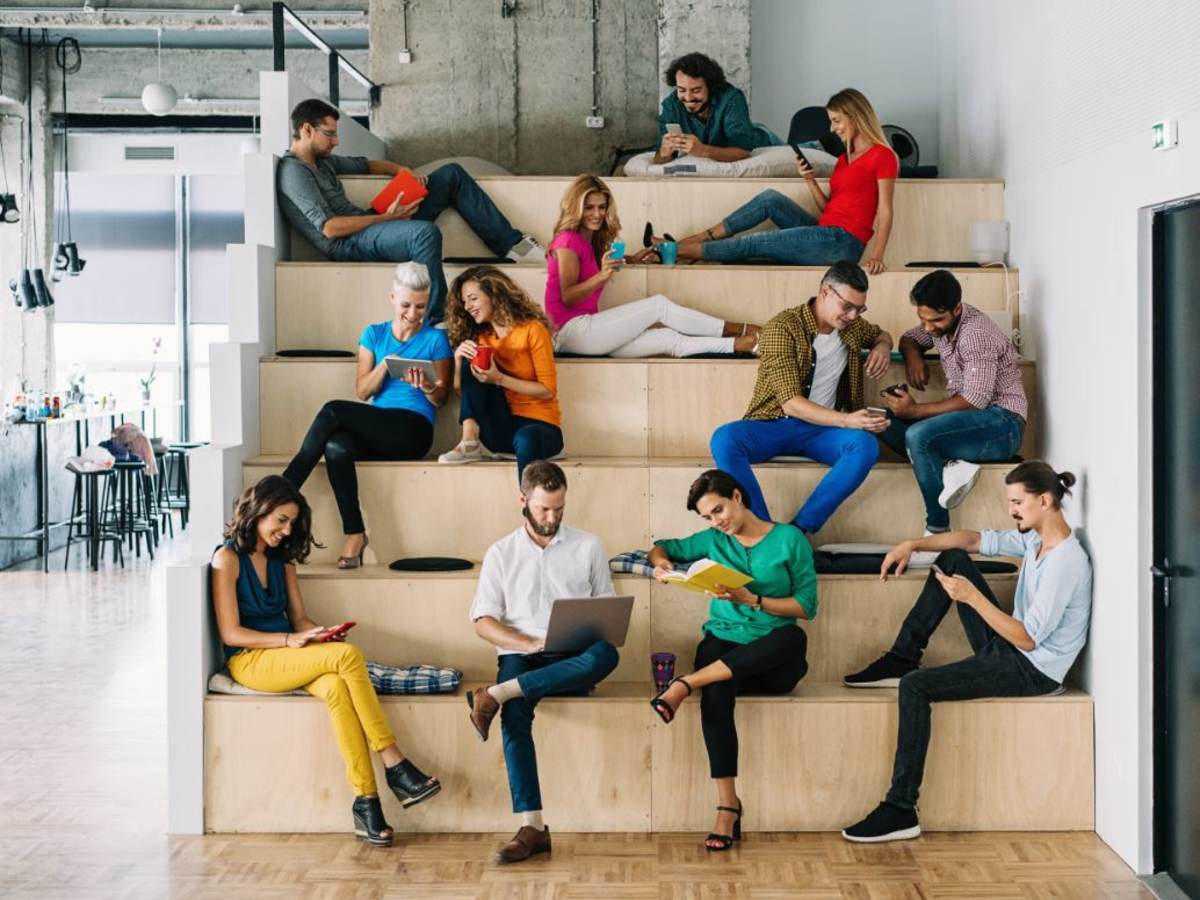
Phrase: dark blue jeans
x=796 y=241
x=418 y=239
x=978 y=435
x=849 y=453
x=542 y=675
x=501 y=431
x=998 y=669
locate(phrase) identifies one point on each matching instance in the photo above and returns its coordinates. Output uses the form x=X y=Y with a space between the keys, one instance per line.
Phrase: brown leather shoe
x=525 y=843
x=483 y=709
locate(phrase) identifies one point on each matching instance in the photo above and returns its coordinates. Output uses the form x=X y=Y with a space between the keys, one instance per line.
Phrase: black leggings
x=345 y=432
x=772 y=664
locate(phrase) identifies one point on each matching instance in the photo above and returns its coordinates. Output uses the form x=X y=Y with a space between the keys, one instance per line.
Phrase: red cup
x=483 y=358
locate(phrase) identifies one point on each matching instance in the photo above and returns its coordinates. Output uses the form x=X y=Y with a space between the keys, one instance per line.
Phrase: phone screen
x=674 y=128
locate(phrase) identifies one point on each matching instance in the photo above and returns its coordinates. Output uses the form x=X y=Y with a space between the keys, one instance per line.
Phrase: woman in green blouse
x=751 y=642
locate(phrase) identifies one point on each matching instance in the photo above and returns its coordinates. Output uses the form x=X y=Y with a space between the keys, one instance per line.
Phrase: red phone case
x=403 y=182
x=337 y=631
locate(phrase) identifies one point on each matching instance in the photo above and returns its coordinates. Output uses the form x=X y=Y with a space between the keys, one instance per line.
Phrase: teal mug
x=669 y=252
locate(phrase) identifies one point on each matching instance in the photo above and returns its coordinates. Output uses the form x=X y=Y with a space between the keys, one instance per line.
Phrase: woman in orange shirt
x=504 y=371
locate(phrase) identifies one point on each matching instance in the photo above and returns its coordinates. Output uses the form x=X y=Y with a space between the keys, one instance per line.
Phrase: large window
x=154 y=288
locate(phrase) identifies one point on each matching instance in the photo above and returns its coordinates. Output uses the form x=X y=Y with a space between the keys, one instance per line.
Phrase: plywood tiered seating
x=637 y=432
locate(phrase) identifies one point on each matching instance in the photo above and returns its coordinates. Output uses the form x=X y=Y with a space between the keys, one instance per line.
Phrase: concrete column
x=718 y=28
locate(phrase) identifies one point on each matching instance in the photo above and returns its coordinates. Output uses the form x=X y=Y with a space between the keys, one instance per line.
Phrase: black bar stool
x=178 y=492
x=133 y=516
x=86 y=522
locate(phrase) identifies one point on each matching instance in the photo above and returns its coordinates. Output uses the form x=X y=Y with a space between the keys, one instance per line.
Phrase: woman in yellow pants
x=272 y=645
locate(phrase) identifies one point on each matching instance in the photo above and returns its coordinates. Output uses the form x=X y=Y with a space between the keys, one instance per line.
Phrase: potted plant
x=148 y=381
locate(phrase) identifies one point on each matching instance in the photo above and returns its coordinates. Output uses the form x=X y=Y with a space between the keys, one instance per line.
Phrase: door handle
x=1165 y=571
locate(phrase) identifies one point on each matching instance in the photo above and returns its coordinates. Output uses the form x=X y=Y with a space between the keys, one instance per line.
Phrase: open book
x=706 y=575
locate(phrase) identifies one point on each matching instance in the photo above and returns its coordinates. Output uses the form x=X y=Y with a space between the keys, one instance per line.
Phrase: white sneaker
x=528 y=250
x=466 y=452
x=958 y=477
x=923 y=559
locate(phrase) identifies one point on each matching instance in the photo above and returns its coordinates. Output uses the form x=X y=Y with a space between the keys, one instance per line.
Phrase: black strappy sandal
x=369 y=823
x=726 y=841
x=665 y=710
x=410 y=784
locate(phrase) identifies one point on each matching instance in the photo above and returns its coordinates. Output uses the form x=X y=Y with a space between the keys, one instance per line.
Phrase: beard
x=549 y=530
x=1022 y=527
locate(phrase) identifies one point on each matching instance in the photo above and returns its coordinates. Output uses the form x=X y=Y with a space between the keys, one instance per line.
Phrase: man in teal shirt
x=712 y=115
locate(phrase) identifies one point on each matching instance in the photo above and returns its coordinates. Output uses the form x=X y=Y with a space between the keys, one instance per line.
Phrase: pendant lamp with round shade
x=159 y=98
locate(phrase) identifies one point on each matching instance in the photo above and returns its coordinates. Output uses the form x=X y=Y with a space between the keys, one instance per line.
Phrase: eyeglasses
x=847 y=306
x=329 y=133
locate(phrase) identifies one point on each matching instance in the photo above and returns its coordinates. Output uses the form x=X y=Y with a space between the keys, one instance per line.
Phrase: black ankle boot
x=369 y=823
x=410 y=784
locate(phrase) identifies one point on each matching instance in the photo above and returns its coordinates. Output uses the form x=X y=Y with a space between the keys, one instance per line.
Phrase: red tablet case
x=404 y=182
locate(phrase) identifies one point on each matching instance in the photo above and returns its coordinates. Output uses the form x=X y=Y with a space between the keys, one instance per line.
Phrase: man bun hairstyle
x=543 y=474
x=312 y=112
x=715 y=481
x=697 y=65
x=938 y=290
x=847 y=273
x=1038 y=477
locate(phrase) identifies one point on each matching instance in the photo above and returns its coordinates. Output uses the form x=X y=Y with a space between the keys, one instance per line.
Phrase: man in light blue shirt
x=1022 y=655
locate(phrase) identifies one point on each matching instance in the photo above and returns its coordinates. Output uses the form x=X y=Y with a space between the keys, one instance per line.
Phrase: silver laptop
x=576 y=624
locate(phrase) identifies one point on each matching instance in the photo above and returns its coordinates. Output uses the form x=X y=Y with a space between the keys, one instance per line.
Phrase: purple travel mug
x=662 y=667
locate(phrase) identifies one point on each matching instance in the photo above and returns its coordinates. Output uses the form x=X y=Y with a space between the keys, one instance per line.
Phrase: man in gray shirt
x=312 y=200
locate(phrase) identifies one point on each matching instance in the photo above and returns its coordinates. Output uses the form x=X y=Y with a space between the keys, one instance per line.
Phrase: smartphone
x=618 y=250
x=674 y=128
x=895 y=389
x=877 y=412
x=800 y=155
x=337 y=631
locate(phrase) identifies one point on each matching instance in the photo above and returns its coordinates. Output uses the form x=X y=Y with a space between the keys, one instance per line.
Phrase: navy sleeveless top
x=261 y=607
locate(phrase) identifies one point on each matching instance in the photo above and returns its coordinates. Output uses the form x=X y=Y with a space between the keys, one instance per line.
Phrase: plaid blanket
x=636 y=562
x=415 y=679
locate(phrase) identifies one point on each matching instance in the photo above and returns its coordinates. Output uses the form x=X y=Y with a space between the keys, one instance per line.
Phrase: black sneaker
x=885 y=672
x=886 y=823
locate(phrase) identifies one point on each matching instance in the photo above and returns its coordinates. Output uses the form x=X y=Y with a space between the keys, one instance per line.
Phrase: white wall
x=803 y=51
x=1058 y=99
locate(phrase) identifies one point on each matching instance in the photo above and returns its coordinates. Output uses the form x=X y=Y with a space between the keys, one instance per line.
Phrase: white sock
x=533 y=820
x=505 y=691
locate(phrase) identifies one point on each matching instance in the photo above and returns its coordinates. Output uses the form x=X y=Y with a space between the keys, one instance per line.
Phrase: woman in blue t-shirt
x=397 y=421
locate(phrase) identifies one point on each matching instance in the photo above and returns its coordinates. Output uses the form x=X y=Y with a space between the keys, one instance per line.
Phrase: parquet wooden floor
x=83 y=797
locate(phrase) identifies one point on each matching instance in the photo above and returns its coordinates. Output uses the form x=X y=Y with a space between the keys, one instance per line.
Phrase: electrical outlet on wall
x=405 y=55
x=594 y=121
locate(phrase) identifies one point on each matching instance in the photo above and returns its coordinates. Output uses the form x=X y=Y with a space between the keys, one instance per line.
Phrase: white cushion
x=765 y=162
x=222 y=683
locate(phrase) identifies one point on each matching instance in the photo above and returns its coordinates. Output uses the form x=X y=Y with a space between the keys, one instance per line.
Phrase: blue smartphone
x=618 y=250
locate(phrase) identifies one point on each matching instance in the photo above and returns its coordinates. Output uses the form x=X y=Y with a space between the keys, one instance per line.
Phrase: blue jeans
x=419 y=239
x=796 y=241
x=501 y=431
x=997 y=669
x=542 y=675
x=978 y=435
x=848 y=452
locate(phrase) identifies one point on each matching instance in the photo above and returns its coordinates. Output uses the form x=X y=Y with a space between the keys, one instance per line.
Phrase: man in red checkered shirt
x=982 y=419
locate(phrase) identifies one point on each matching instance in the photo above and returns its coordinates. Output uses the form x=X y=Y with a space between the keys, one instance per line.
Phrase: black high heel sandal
x=410 y=784
x=726 y=841
x=665 y=710
x=369 y=823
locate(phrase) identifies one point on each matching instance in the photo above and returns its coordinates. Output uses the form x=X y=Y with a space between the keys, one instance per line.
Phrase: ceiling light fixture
x=159 y=98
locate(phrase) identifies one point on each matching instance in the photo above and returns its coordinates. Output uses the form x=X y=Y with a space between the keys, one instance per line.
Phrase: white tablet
x=398 y=367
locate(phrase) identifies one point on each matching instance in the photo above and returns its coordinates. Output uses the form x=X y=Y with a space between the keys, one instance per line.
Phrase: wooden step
x=407 y=617
x=619 y=408
x=426 y=509
x=931 y=217
x=308 y=315
x=816 y=760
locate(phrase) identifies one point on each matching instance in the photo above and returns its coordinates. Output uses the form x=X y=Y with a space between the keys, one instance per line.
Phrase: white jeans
x=625 y=331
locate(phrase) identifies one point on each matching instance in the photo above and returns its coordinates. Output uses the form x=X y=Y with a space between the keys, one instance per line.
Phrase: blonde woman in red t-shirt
x=861 y=187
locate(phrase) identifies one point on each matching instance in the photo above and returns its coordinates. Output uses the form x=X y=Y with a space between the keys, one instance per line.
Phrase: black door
x=1176 y=260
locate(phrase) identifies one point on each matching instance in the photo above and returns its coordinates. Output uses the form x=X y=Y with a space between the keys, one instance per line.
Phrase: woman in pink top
x=862 y=185
x=580 y=263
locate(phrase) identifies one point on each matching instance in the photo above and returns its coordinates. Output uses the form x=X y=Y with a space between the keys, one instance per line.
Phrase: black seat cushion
x=431 y=564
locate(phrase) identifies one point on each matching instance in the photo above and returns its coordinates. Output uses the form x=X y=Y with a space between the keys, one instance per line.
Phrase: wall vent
x=149 y=152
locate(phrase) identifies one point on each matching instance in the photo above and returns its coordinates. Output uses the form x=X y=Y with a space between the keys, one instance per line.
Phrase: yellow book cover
x=706 y=576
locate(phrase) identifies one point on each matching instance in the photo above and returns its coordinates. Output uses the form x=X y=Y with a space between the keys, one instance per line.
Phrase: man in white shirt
x=522 y=575
x=1026 y=654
